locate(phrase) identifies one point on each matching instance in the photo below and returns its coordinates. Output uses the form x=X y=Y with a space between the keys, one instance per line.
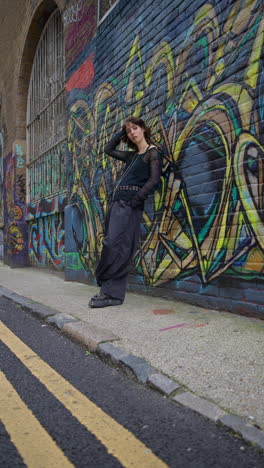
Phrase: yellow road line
x=32 y=441
x=118 y=441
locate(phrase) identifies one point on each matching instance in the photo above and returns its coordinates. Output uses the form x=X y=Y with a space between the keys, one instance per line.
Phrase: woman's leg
x=122 y=230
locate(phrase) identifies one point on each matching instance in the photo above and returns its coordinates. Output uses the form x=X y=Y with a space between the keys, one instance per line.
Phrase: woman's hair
x=140 y=123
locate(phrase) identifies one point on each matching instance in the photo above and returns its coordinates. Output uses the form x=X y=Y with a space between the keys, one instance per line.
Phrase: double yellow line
x=32 y=441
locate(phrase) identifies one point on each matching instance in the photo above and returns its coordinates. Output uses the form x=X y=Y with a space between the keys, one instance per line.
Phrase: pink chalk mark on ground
x=176 y=326
x=163 y=311
x=180 y=325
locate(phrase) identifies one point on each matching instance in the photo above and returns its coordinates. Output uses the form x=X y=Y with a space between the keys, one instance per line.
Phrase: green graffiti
x=73 y=261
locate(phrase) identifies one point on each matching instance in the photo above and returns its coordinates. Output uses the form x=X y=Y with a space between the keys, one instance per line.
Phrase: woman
x=140 y=177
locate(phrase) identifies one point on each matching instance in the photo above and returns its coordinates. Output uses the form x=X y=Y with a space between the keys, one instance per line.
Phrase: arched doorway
x=46 y=148
x=46 y=129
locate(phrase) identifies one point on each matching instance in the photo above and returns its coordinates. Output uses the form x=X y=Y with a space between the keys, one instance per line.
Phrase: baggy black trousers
x=121 y=236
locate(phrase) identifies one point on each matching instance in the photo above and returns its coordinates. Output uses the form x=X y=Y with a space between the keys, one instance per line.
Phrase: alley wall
x=194 y=72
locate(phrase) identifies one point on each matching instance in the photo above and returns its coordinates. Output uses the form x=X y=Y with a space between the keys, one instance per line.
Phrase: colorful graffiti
x=46 y=206
x=1 y=181
x=15 y=228
x=2 y=222
x=46 y=241
x=9 y=186
x=46 y=231
x=15 y=239
x=204 y=103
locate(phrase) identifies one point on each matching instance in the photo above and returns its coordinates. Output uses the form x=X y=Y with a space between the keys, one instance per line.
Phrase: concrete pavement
x=216 y=358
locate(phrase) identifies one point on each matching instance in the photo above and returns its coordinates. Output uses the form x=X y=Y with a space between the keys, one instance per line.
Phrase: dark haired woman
x=140 y=177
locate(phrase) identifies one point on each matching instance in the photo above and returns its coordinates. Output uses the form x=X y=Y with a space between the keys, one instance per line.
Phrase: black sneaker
x=102 y=300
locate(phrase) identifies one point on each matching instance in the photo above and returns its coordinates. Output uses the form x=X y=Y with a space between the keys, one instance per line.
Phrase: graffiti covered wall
x=1 y=196
x=46 y=232
x=1 y=180
x=195 y=73
x=14 y=192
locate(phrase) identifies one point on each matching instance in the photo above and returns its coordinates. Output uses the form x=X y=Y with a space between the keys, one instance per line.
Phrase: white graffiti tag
x=74 y=13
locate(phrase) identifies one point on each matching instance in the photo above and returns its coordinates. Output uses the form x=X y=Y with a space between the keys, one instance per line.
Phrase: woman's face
x=135 y=133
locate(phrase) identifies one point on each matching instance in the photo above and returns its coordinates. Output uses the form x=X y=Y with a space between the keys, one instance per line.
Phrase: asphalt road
x=158 y=430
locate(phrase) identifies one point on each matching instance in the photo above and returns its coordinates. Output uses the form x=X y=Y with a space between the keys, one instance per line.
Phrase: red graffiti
x=82 y=77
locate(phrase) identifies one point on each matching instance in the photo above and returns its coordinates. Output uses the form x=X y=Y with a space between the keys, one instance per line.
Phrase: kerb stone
x=87 y=334
x=137 y=367
x=40 y=309
x=109 y=352
x=59 y=320
x=247 y=431
x=200 y=405
x=34 y=307
x=163 y=384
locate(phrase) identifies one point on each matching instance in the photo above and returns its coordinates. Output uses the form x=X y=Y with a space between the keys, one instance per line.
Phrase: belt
x=135 y=188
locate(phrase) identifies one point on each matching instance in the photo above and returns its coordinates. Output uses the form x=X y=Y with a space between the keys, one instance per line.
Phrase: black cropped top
x=142 y=170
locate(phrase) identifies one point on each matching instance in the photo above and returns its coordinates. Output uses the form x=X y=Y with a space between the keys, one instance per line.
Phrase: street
x=61 y=406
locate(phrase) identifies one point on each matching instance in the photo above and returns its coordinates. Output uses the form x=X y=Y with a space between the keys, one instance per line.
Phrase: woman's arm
x=152 y=182
x=110 y=148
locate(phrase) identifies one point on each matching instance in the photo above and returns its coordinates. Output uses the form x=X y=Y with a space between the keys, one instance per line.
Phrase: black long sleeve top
x=141 y=169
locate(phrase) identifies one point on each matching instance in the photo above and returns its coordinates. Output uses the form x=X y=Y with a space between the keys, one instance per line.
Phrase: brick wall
x=194 y=72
